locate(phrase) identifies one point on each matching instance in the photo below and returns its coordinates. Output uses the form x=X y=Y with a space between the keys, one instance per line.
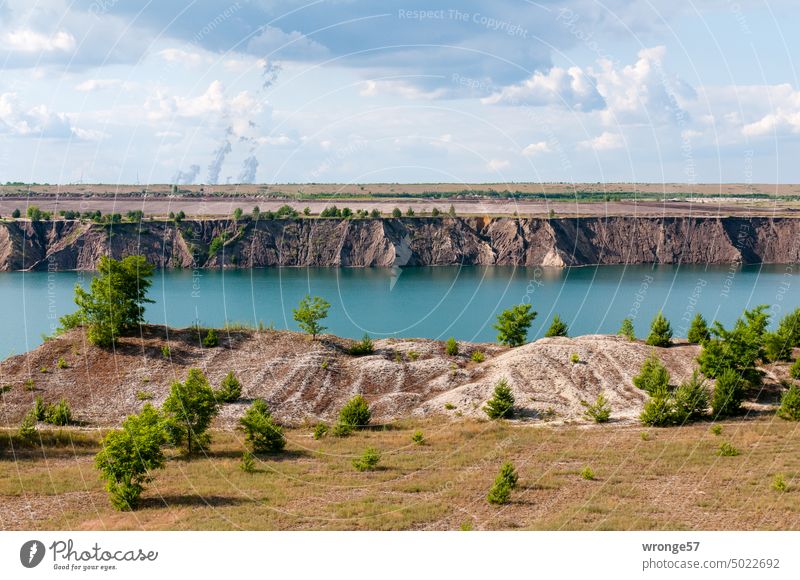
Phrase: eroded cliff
x=73 y=245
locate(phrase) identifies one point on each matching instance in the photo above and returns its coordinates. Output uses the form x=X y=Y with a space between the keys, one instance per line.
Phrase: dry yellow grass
x=673 y=480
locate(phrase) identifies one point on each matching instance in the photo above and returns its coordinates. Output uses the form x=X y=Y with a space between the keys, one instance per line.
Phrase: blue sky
x=358 y=91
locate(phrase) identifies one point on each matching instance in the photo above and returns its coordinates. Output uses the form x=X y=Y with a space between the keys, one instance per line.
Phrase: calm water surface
x=417 y=302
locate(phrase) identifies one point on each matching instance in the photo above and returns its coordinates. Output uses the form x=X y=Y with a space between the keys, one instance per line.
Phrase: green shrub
x=449 y=406
x=368 y=460
x=557 y=327
x=698 y=330
x=355 y=414
x=59 y=414
x=309 y=313
x=779 y=483
x=40 y=409
x=794 y=370
x=728 y=394
x=716 y=429
x=599 y=411
x=230 y=389
x=412 y=355
x=574 y=358
x=660 y=331
x=727 y=450
x=248 y=463
x=790 y=404
x=165 y=351
x=626 y=329
x=320 y=430
x=62 y=363
x=341 y=430
x=501 y=405
x=645 y=435
x=451 y=348
x=189 y=410
x=659 y=409
x=27 y=430
x=477 y=356
x=691 y=399
x=43 y=370
x=777 y=347
x=588 y=473
x=130 y=455
x=29 y=385
x=738 y=349
x=653 y=375
x=396 y=213
x=362 y=347
x=211 y=339
x=506 y=480
x=513 y=324
x=418 y=438
x=144 y=396
x=261 y=431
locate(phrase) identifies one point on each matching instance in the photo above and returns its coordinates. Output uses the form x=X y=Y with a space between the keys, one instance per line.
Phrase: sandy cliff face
x=72 y=245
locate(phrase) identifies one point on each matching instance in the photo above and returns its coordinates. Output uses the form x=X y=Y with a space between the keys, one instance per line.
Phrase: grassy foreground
x=665 y=479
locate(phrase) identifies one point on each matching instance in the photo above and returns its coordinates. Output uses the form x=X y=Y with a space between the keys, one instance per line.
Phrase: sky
x=469 y=91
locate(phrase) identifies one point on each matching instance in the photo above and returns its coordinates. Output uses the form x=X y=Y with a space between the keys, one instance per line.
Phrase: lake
x=431 y=302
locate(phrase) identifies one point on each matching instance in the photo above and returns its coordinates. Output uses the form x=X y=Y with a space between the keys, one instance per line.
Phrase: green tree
x=660 y=331
x=130 y=455
x=451 y=347
x=778 y=346
x=309 y=312
x=452 y=211
x=261 y=431
x=794 y=370
x=728 y=394
x=698 y=330
x=506 y=480
x=410 y=212
x=189 y=409
x=790 y=404
x=659 y=409
x=691 y=399
x=653 y=375
x=237 y=214
x=114 y=304
x=16 y=213
x=355 y=414
x=501 y=405
x=599 y=411
x=789 y=327
x=513 y=324
x=557 y=327
x=368 y=460
x=375 y=214
x=396 y=213
x=738 y=348
x=230 y=389
x=34 y=213
x=626 y=329
x=211 y=339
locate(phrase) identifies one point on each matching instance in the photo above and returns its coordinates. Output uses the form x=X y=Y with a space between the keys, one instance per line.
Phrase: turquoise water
x=417 y=302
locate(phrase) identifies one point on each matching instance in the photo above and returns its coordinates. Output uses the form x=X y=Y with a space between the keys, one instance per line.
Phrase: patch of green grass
x=716 y=429
x=726 y=449
x=588 y=474
x=779 y=483
x=144 y=396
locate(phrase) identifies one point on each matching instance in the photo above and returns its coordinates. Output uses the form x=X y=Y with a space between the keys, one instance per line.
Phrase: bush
x=40 y=409
x=779 y=483
x=698 y=330
x=248 y=463
x=16 y=213
x=368 y=460
x=599 y=411
x=501 y=405
x=660 y=331
x=144 y=396
x=626 y=329
x=27 y=430
x=574 y=358
x=789 y=327
x=412 y=355
x=418 y=438
x=363 y=347
x=505 y=481
x=653 y=375
x=62 y=363
x=165 y=351
x=738 y=348
x=477 y=356
x=777 y=346
x=790 y=404
x=341 y=430
x=588 y=473
x=320 y=430
x=355 y=414
x=659 y=409
x=230 y=389
x=728 y=394
x=557 y=327
x=396 y=213
x=451 y=347
x=727 y=450
x=794 y=370
x=189 y=410
x=261 y=431
x=513 y=324
x=691 y=399
x=716 y=429
x=130 y=455
x=59 y=414
x=211 y=339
